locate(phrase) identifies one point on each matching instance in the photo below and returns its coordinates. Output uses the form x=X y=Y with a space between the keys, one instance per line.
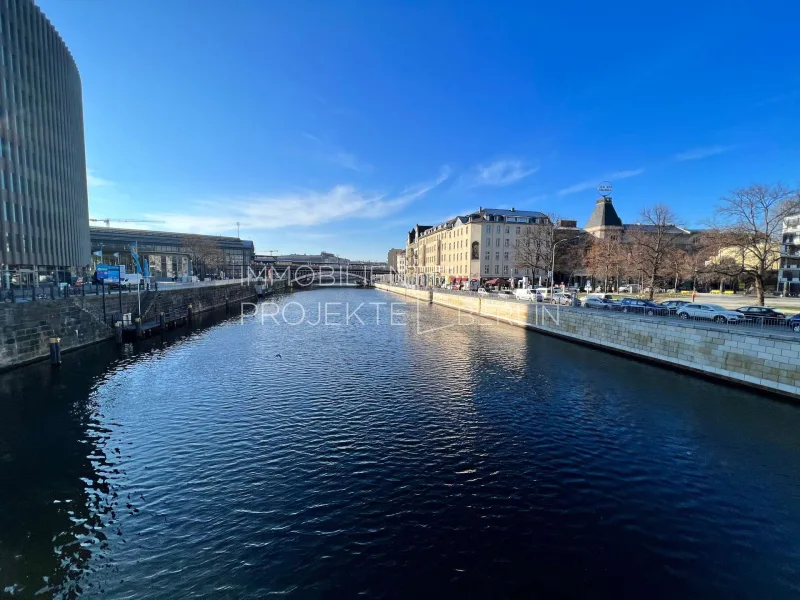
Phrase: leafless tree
x=652 y=240
x=534 y=248
x=571 y=255
x=682 y=265
x=747 y=229
x=205 y=252
x=604 y=259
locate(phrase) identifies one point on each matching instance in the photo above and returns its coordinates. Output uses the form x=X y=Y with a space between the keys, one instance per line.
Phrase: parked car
x=794 y=323
x=601 y=303
x=674 y=305
x=564 y=299
x=710 y=312
x=762 y=314
x=644 y=307
x=597 y=295
x=528 y=294
x=482 y=291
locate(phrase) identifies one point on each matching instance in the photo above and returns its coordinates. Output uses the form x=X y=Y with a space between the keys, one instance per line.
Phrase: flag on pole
x=98 y=253
x=116 y=254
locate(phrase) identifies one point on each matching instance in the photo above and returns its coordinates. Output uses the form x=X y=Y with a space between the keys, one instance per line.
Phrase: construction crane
x=108 y=221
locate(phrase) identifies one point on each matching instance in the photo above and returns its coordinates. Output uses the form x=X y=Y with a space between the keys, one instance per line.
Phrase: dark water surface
x=467 y=461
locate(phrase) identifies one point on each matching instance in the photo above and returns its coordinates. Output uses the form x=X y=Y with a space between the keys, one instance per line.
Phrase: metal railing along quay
x=754 y=325
x=29 y=293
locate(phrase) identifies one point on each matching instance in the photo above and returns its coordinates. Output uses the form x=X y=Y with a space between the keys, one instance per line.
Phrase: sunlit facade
x=475 y=247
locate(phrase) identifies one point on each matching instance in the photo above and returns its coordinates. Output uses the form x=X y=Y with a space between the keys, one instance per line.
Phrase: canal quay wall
x=81 y=320
x=766 y=361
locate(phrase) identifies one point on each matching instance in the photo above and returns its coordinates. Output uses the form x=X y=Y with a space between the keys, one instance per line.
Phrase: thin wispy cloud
x=93 y=180
x=698 y=153
x=592 y=183
x=306 y=208
x=332 y=154
x=502 y=172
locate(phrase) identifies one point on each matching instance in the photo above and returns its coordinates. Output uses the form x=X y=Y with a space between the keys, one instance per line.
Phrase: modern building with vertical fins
x=44 y=226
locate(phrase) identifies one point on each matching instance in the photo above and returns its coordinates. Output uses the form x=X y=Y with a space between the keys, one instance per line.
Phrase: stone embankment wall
x=765 y=360
x=80 y=320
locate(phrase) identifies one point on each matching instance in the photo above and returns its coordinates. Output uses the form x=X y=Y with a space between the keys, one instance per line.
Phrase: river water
x=404 y=455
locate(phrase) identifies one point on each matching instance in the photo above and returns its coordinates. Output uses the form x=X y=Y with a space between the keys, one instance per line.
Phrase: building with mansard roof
x=470 y=249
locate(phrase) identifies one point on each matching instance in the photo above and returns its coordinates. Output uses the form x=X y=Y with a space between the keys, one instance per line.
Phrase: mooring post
x=189 y=314
x=138 y=328
x=162 y=322
x=55 y=351
x=118 y=331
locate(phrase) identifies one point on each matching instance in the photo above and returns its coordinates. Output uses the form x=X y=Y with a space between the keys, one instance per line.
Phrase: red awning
x=491 y=282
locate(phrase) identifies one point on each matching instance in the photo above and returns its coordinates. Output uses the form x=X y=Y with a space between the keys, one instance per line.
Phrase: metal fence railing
x=726 y=319
x=31 y=293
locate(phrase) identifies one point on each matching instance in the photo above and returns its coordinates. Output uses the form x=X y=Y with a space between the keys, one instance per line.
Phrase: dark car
x=674 y=305
x=762 y=314
x=794 y=323
x=601 y=303
x=644 y=307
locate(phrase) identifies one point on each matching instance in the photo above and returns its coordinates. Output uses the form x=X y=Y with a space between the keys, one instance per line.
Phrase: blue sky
x=339 y=125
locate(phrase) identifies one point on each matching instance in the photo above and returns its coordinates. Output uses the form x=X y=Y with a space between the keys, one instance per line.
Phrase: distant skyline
x=338 y=126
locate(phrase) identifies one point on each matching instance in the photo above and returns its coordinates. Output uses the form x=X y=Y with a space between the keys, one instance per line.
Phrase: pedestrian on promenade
x=694 y=295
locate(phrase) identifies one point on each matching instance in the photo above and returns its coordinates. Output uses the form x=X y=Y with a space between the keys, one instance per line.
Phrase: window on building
x=507 y=243
x=488 y=255
x=505 y=269
x=497 y=242
x=498 y=229
x=497 y=256
x=518 y=229
x=497 y=269
x=505 y=255
x=488 y=228
x=485 y=269
x=508 y=229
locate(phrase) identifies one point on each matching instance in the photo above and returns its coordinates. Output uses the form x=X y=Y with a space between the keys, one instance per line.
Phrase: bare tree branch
x=746 y=233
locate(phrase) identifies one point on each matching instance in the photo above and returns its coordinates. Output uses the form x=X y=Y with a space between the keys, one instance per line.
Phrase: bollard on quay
x=55 y=351
x=162 y=322
x=118 y=331
x=189 y=314
x=138 y=328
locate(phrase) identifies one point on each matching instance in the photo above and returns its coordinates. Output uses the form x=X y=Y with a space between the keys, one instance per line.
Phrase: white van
x=529 y=295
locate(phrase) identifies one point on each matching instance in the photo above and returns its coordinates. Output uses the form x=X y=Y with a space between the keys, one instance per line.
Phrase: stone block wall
x=79 y=320
x=766 y=360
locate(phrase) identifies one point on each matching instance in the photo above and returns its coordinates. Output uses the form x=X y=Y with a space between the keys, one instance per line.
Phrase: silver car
x=710 y=312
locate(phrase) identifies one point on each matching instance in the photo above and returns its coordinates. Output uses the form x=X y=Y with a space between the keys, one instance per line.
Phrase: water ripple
x=372 y=460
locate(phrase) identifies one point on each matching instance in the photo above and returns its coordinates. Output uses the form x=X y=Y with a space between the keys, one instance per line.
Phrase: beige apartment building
x=475 y=247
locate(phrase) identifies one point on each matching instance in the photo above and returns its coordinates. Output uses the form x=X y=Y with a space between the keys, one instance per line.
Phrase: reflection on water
x=478 y=459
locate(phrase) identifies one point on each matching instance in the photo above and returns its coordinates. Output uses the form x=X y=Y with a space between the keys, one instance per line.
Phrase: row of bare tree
x=740 y=243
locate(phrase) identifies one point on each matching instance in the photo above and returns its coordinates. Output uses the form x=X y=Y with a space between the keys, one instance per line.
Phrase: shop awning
x=492 y=282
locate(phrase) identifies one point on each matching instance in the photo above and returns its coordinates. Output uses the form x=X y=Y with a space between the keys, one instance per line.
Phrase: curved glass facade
x=45 y=211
